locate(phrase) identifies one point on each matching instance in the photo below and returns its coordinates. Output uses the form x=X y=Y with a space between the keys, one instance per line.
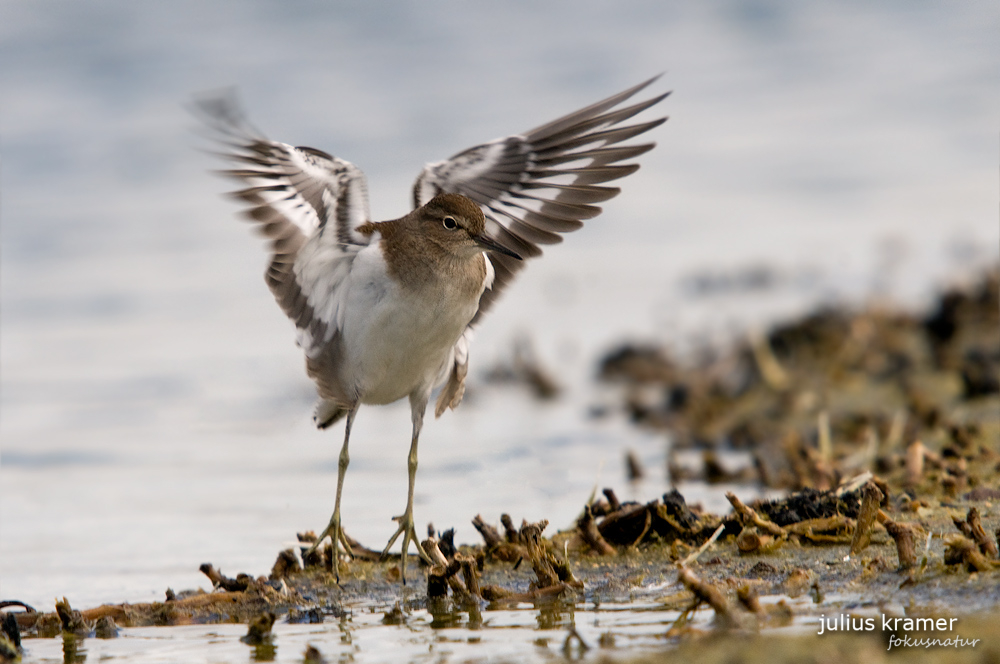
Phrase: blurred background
x=154 y=411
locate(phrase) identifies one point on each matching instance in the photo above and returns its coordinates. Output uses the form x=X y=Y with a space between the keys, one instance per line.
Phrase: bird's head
x=457 y=222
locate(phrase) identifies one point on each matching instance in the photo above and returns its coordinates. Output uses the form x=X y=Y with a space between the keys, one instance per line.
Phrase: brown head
x=443 y=239
x=456 y=222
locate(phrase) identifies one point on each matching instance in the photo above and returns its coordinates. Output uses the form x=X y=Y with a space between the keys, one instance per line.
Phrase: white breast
x=396 y=340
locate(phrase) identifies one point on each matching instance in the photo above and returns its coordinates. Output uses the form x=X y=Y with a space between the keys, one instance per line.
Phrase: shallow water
x=516 y=635
x=155 y=414
x=523 y=634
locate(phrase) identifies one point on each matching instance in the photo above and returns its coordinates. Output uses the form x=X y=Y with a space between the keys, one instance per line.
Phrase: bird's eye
x=450 y=223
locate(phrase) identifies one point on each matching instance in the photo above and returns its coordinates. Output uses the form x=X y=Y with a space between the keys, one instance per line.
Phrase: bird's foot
x=338 y=539
x=409 y=534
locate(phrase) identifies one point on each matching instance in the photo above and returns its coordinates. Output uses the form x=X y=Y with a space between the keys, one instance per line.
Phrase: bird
x=386 y=310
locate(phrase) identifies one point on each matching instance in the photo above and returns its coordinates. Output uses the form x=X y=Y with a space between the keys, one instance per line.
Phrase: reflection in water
x=441 y=631
x=555 y=615
x=264 y=652
x=73 y=650
x=475 y=617
x=345 y=630
x=446 y=613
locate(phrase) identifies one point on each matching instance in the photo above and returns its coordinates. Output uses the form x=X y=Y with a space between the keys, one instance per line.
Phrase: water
x=155 y=414
x=507 y=635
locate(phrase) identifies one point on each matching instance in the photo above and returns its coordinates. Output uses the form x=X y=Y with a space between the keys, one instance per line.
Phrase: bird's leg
x=334 y=529
x=406 y=527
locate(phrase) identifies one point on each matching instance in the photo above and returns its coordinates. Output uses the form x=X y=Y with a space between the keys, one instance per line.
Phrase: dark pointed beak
x=490 y=244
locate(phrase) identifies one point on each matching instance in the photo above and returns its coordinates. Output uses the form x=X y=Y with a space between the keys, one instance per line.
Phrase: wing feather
x=537 y=185
x=309 y=204
x=533 y=187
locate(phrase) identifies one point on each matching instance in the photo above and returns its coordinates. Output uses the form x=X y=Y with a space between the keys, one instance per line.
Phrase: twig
x=701 y=549
x=589 y=533
x=748 y=516
x=987 y=546
x=871 y=498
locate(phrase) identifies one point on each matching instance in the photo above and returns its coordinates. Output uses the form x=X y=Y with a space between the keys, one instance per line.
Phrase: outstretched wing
x=308 y=203
x=535 y=186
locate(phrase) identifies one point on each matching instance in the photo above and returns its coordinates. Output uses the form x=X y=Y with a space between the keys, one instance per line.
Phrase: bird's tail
x=328 y=413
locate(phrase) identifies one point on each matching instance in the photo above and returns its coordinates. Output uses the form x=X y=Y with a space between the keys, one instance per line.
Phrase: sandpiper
x=385 y=310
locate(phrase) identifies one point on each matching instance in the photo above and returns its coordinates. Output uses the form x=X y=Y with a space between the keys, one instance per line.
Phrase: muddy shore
x=881 y=427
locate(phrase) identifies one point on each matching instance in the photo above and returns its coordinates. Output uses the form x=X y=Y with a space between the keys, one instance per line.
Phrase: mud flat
x=880 y=429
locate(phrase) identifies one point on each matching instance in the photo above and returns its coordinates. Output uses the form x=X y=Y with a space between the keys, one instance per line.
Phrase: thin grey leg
x=406 y=527
x=334 y=529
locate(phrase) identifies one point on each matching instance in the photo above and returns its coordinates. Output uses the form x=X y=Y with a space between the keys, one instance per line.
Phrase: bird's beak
x=490 y=244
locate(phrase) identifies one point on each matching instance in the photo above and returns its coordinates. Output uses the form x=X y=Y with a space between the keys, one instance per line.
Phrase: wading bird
x=384 y=310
